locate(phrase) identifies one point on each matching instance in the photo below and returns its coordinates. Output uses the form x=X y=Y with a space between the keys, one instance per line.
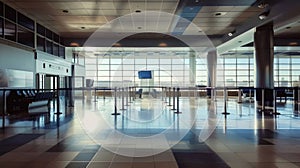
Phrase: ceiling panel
x=66 y=5
x=94 y=13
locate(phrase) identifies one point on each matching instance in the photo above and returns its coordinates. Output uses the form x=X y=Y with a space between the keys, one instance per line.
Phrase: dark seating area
x=247 y=91
x=28 y=102
x=140 y=93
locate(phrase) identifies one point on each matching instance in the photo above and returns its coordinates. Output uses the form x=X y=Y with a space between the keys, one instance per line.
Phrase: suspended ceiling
x=77 y=20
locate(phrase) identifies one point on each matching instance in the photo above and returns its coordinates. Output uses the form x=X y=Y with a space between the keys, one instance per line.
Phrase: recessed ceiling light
x=65 y=11
x=293 y=43
x=219 y=13
x=264 y=15
x=231 y=33
x=74 y=44
x=262 y=5
x=117 y=45
x=138 y=11
x=162 y=44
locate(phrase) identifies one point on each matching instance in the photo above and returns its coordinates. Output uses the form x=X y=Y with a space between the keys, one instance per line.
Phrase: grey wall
x=17 y=59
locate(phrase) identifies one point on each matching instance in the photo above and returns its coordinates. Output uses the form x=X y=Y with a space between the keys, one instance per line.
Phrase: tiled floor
x=148 y=134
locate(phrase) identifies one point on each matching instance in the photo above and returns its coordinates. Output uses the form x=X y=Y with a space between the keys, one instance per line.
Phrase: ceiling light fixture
x=263 y=5
x=264 y=15
x=219 y=14
x=231 y=33
x=117 y=45
x=74 y=44
x=293 y=43
x=162 y=44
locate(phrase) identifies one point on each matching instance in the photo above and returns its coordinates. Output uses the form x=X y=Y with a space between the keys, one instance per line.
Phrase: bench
x=28 y=104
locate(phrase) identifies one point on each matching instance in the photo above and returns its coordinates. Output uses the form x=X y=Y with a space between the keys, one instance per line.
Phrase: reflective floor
x=152 y=132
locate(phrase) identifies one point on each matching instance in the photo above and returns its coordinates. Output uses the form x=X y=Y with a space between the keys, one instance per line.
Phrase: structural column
x=192 y=74
x=264 y=62
x=211 y=68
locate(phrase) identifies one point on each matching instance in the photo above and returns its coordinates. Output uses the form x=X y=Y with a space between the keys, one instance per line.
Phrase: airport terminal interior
x=150 y=83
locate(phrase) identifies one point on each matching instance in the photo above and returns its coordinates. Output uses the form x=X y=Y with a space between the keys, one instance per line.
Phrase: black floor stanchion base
x=225 y=113
x=177 y=112
x=115 y=113
x=58 y=113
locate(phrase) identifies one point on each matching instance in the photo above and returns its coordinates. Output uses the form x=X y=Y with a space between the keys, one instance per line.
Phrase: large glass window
x=116 y=66
x=1 y=27
x=40 y=29
x=10 y=31
x=25 y=22
x=41 y=43
x=237 y=67
x=55 y=49
x=287 y=67
x=10 y=13
x=1 y=8
x=49 y=47
x=25 y=37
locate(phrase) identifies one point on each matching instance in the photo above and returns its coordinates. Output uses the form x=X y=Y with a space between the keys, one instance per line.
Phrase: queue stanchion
x=250 y=95
x=134 y=93
x=178 y=93
x=162 y=93
x=57 y=107
x=130 y=94
x=170 y=97
x=126 y=94
x=275 y=102
x=214 y=93
x=263 y=99
x=225 y=102
x=95 y=99
x=115 y=104
x=166 y=99
x=174 y=97
x=104 y=93
x=122 y=99
x=4 y=108
x=240 y=96
x=298 y=98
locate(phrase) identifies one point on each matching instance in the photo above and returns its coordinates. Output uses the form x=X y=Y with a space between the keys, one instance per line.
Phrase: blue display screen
x=145 y=74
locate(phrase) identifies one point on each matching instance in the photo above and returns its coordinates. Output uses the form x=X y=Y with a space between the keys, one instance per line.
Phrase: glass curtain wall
x=238 y=67
x=287 y=67
x=169 y=66
x=201 y=72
